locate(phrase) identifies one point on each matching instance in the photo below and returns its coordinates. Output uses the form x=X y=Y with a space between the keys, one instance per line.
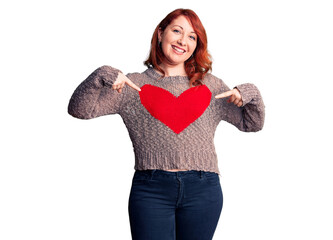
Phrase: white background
x=65 y=178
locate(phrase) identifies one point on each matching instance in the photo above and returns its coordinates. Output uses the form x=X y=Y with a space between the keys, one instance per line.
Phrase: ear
x=159 y=34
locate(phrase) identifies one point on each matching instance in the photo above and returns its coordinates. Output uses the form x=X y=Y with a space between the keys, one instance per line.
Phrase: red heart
x=175 y=112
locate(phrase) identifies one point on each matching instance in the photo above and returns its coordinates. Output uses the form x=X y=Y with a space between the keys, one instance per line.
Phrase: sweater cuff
x=248 y=92
x=109 y=75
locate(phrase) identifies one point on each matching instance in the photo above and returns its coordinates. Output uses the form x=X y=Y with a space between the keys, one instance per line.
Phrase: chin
x=177 y=61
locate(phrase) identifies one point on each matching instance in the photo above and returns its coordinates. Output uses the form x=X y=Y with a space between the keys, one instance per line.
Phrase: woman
x=171 y=111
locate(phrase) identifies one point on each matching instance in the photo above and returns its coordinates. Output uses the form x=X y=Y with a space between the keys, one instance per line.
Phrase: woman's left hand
x=235 y=97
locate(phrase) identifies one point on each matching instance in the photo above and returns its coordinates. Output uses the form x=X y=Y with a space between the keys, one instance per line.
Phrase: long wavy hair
x=199 y=63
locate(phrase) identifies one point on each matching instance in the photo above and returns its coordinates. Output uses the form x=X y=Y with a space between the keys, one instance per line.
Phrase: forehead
x=183 y=22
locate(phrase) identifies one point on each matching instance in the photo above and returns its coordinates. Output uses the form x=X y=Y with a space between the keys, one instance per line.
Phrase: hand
x=235 y=97
x=121 y=81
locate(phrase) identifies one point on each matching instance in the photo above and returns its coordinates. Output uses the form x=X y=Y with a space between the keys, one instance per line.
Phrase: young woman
x=171 y=111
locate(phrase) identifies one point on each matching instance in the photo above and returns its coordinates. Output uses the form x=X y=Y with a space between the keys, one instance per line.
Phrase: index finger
x=225 y=94
x=131 y=84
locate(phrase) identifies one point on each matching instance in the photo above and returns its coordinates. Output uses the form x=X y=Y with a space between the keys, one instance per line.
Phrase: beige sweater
x=171 y=125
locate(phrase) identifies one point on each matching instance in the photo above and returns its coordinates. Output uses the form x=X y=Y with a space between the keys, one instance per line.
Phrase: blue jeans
x=182 y=205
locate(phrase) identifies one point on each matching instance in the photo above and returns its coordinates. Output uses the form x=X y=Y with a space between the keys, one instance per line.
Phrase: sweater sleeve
x=95 y=97
x=250 y=116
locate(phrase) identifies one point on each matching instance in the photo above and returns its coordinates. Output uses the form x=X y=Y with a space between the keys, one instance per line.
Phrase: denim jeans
x=183 y=205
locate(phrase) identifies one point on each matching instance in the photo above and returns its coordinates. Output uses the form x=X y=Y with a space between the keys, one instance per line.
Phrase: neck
x=173 y=70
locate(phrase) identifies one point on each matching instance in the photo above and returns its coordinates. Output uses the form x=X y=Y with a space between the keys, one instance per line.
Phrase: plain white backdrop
x=65 y=178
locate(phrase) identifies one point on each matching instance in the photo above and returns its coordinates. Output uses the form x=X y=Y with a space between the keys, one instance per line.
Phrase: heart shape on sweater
x=175 y=112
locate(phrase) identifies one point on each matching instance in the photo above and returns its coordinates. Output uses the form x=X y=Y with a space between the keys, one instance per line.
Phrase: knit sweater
x=171 y=125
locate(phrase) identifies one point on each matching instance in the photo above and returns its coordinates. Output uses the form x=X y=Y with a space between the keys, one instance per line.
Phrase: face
x=178 y=40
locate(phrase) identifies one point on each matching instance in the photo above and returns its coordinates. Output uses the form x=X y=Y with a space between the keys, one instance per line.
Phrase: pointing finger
x=225 y=94
x=131 y=84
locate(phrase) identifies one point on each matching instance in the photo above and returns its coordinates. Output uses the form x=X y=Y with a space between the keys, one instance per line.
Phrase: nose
x=181 y=41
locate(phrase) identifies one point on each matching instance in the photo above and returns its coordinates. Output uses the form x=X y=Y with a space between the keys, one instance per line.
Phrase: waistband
x=152 y=172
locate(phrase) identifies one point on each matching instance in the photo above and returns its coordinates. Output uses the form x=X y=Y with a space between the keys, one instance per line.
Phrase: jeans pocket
x=140 y=177
x=212 y=178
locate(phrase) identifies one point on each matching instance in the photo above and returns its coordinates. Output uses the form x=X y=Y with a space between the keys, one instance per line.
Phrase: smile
x=180 y=50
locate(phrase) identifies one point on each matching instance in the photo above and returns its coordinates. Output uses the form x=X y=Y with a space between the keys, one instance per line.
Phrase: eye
x=176 y=31
x=193 y=38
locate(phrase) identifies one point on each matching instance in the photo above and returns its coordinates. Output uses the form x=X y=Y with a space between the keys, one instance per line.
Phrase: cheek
x=164 y=48
x=165 y=43
x=192 y=47
x=167 y=38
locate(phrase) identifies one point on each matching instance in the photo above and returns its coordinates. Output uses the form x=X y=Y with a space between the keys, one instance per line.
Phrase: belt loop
x=201 y=173
x=152 y=174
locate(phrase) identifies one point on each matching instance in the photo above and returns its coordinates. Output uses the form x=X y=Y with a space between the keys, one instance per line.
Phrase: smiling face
x=178 y=41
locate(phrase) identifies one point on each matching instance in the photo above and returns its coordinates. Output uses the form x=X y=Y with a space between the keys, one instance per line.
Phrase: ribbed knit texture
x=155 y=144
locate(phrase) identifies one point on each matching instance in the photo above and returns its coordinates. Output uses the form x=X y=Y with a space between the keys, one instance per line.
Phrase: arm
x=250 y=116
x=95 y=97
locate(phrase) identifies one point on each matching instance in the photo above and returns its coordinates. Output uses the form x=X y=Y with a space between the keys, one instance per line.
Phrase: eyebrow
x=182 y=28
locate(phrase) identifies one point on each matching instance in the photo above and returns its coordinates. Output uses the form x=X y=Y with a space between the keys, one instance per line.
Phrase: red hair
x=197 y=66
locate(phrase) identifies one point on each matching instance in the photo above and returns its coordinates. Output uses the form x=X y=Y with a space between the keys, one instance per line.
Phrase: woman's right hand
x=121 y=81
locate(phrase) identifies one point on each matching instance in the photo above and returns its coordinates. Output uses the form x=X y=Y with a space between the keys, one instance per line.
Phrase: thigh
x=200 y=212
x=151 y=213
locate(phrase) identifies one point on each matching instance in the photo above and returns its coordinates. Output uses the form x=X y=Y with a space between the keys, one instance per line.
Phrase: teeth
x=178 y=50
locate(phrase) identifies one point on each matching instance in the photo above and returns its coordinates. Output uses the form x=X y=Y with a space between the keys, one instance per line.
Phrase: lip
x=174 y=46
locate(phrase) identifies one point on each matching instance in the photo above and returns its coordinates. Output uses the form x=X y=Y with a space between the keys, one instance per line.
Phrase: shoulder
x=212 y=79
x=138 y=77
x=214 y=82
x=134 y=75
